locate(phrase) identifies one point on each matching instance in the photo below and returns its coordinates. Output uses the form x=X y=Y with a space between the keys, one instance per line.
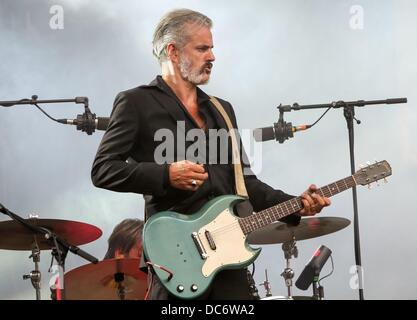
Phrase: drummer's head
x=126 y=240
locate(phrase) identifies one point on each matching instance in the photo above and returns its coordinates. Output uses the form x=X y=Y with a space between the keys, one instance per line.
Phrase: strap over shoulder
x=237 y=165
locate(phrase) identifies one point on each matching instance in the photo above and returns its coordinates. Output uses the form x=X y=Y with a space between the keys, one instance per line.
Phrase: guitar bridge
x=199 y=245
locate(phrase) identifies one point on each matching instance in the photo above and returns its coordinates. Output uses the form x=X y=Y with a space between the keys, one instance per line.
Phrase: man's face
x=134 y=253
x=196 y=58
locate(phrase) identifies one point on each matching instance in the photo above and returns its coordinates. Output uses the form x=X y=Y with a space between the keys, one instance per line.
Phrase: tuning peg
x=369 y=186
x=385 y=180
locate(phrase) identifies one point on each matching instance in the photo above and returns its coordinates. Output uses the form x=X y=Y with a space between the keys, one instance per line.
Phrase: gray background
x=268 y=52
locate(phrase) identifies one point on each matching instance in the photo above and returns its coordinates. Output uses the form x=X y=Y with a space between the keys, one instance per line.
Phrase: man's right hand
x=187 y=175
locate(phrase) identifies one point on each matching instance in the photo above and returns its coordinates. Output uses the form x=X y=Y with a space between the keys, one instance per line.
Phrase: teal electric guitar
x=187 y=251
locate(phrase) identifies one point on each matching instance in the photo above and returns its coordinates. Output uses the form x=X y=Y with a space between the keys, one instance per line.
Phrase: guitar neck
x=284 y=209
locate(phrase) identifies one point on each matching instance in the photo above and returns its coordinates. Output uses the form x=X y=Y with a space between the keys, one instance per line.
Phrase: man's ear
x=172 y=52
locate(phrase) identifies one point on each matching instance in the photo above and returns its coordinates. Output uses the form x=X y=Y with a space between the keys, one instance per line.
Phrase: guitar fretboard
x=275 y=213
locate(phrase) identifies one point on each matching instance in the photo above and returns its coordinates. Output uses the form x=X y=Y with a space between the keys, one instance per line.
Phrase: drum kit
x=121 y=279
x=288 y=235
x=111 y=279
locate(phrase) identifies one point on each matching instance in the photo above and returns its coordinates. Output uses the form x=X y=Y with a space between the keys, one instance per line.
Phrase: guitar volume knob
x=180 y=288
x=194 y=287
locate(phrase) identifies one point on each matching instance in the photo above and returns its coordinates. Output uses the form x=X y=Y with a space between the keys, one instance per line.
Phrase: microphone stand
x=59 y=251
x=349 y=114
x=318 y=291
x=85 y=122
x=34 y=100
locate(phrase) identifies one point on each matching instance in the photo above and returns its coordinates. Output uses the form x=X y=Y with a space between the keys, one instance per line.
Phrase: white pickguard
x=229 y=240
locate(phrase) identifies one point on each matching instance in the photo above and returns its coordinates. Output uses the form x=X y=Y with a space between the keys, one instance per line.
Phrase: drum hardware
x=267 y=285
x=286 y=234
x=290 y=250
x=253 y=290
x=35 y=275
x=45 y=234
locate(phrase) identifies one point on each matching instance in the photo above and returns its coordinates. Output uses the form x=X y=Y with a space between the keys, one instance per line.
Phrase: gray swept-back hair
x=171 y=29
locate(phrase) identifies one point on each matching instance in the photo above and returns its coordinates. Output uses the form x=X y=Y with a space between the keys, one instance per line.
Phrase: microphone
x=279 y=132
x=88 y=122
x=313 y=268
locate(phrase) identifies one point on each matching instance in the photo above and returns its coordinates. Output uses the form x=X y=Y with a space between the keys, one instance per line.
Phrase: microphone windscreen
x=264 y=134
x=306 y=278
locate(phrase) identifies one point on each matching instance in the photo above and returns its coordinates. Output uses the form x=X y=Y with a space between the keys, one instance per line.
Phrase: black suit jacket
x=125 y=158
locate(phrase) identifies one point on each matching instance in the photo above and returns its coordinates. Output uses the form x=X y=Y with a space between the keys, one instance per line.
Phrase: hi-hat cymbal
x=14 y=236
x=280 y=232
x=111 y=279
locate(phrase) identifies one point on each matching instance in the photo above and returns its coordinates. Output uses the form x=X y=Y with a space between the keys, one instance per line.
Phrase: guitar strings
x=225 y=228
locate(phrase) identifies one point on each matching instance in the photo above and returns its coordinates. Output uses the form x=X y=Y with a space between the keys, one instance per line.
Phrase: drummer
x=126 y=240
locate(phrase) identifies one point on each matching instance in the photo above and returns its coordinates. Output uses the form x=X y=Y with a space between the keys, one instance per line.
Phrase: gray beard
x=193 y=76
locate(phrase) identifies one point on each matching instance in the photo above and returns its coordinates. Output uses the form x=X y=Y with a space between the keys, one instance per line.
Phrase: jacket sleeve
x=261 y=195
x=111 y=169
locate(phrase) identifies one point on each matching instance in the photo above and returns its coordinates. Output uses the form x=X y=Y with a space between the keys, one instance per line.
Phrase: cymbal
x=14 y=236
x=280 y=232
x=103 y=280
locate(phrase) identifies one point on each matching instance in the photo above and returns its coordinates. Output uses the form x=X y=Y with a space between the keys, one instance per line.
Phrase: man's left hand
x=313 y=202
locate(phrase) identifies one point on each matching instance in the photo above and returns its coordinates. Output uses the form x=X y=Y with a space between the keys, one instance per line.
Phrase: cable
x=331 y=258
x=46 y=113
x=150 y=285
x=320 y=117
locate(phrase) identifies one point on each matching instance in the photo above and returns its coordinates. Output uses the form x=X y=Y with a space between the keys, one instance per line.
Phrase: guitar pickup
x=210 y=240
x=199 y=245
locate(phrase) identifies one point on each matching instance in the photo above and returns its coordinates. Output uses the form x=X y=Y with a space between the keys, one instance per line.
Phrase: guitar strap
x=237 y=165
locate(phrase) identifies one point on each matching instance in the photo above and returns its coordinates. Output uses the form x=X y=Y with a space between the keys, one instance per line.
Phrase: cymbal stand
x=35 y=275
x=121 y=290
x=290 y=249
x=267 y=285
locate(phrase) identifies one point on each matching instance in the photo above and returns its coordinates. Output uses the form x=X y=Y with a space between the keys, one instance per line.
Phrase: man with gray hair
x=125 y=161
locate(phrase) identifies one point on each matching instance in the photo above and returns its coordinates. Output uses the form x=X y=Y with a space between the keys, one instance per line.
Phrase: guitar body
x=196 y=247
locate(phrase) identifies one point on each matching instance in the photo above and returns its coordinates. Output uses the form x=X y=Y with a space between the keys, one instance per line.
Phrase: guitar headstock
x=372 y=173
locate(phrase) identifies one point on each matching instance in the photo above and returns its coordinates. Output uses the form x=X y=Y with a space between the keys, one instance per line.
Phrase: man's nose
x=211 y=56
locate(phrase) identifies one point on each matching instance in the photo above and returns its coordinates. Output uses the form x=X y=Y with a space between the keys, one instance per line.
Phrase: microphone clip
x=86 y=121
x=283 y=130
